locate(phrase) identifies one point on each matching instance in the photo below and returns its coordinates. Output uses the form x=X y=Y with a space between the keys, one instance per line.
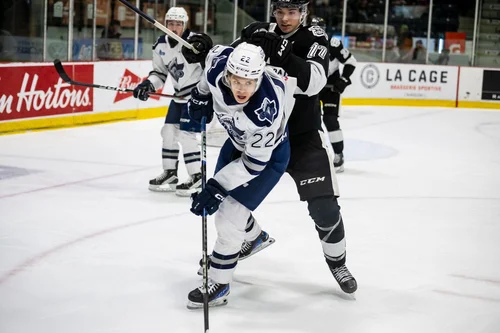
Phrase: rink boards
x=32 y=96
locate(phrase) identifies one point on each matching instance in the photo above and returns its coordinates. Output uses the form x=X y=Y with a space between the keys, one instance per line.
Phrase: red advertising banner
x=130 y=80
x=37 y=91
x=455 y=42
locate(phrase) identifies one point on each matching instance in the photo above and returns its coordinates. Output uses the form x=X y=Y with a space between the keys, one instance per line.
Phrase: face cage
x=302 y=8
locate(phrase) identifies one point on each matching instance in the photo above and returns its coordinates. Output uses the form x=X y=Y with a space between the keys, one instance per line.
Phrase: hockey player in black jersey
x=330 y=95
x=302 y=51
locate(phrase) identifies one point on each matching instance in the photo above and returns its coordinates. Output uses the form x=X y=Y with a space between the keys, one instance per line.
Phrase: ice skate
x=217 y=295
x=166 y=182
x=262 y=241
x=192 y=185
x=345 y=279
x=248 y=249
x=338 y=162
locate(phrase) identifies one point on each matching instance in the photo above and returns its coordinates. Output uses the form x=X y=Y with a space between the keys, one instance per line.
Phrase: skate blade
x=339 y=169
x=196 y=306
x=259 y=248
x=186 y=193
x=162 y=188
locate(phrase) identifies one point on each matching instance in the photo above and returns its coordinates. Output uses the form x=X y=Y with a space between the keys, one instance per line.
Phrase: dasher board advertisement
x=126 y=74
x=37 y=91
x=491 y=85
x=403 y=81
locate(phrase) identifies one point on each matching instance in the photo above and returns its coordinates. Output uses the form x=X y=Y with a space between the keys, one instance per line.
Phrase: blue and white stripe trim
x=253 y=166
x=220 y=261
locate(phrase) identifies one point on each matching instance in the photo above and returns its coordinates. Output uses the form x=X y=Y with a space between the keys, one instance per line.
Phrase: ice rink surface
x=85 y=247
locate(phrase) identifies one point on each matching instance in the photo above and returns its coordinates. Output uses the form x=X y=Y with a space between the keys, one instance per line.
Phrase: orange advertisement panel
x=455 y=42
x=37 y=91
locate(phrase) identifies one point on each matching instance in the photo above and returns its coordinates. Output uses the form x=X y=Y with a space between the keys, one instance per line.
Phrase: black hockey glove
x=202 y=43
x=340 y=84
x=277 y=49
x=209 y=199
x=142 y=90
x=248 y=31
x=200 y=106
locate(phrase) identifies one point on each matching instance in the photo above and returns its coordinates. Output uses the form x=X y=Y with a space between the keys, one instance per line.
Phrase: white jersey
x=168 y=60
x=255 y=127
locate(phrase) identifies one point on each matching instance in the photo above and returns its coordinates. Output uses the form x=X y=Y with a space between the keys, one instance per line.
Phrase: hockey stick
x=159 y=25
x=204 y=220
x=65 y=77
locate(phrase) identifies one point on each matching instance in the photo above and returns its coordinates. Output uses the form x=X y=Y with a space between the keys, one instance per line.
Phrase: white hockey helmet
x=177 y=14
x=247 y=61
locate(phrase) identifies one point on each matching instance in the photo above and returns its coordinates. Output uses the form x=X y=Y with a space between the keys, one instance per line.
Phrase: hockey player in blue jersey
x=178 y=128
x=253 y=104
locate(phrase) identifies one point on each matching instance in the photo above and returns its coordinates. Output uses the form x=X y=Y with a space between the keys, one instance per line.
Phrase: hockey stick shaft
x=66 y=78
x=204 y=222
x=159 y=25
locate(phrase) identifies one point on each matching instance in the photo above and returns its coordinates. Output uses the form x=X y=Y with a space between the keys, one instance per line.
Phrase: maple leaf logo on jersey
x=216 y=60
x=267 y=111
x=176 y=70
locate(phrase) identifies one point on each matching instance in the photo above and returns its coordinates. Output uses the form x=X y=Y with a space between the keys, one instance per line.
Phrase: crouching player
x=253 y=104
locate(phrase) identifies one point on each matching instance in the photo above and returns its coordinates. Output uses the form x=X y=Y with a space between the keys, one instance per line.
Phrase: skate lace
x=212 y=287
x=162 y=176
x=246 y=246
x=341 y=274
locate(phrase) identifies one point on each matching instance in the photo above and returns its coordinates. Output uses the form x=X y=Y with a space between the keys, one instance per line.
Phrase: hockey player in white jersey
x=253 y=104
x=178 y=127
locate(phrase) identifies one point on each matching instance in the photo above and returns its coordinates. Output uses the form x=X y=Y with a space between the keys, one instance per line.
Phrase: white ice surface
x=85 y=247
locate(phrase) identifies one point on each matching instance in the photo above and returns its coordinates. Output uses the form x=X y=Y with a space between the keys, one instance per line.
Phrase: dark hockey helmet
x=300 y=4
x=319 y=21
x=289 y=3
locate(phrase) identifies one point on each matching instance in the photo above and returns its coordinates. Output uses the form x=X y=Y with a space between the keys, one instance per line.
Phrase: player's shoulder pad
x=160 y=40
x=277 y=79
x=315 y=33
x=309 y=35
x=263 y=107
x=336 y=43
x=216 y=62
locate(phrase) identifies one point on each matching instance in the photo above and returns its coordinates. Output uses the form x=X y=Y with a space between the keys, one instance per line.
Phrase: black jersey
x=339 y=55
x=309 y=64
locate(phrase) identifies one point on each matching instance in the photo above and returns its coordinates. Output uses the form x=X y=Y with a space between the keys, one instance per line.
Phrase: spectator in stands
x=113 y=30
x=8 y=46
x=418 y=53
x=444 y=57
x=404 y=43
x=110 y=47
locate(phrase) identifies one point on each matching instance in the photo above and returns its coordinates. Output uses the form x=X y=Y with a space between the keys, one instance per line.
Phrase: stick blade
x=60 y=70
